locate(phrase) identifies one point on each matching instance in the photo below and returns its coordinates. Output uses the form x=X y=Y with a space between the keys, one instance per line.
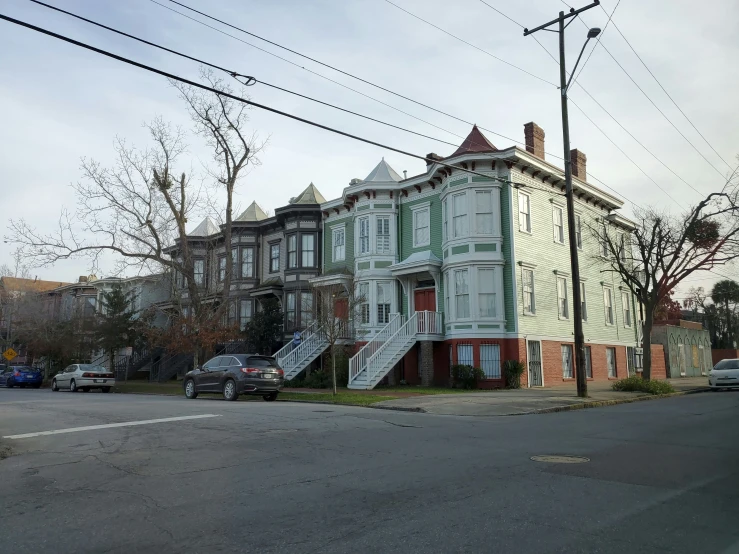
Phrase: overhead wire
x=600 y=37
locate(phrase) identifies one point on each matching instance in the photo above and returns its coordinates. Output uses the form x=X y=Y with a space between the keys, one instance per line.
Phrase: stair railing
x=301 y=351
x=402 y=334
x=285 y=350
x=358 y=362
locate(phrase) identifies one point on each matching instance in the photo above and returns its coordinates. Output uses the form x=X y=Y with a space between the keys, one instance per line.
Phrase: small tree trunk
x=195 y=359
x=333 y=367
x=647 y=346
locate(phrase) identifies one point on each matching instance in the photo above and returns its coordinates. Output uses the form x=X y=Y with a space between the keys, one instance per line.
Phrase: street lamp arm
x=574 y=69
x=573 y=13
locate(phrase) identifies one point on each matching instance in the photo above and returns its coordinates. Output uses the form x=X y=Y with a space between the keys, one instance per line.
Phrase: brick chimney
x=534 y=139
x=579 y=164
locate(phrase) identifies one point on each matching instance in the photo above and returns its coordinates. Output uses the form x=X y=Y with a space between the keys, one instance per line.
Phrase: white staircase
x=379 y=356
x=293 y=361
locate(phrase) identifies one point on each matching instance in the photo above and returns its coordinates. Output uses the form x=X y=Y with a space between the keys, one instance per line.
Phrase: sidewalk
x=527 y=401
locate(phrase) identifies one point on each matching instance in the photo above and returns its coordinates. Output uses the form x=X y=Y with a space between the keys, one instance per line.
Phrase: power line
x=243 y=100
x=600 y=37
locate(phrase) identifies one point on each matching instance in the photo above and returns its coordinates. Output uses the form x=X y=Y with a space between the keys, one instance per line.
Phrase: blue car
x=21 y=376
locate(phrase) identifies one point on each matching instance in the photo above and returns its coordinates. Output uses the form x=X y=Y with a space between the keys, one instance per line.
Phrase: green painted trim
x=486 y=247
x=446 y=253
x=463 y=326
x=481 y=179
x=461 y=249
x=382 y=205
x=482 y=326
x=448 y=327
x=457 y=182
x=442 y=188
x=363 y=265
x=362 y=208
x=380 y=265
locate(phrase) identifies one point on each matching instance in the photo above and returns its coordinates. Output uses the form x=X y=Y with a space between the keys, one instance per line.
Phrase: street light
x=582 y=383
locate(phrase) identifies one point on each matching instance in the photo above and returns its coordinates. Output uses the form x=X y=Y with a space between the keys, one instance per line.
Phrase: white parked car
x=724 y=374
x=83 y=377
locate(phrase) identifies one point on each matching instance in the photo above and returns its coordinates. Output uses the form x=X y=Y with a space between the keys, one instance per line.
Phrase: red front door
x=425 y=300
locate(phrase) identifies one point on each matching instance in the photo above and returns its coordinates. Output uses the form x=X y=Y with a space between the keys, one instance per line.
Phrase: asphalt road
x=663 y=476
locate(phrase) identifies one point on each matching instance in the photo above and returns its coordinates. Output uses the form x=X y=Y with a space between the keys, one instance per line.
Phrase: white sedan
x=83 y=377
x=724 y=374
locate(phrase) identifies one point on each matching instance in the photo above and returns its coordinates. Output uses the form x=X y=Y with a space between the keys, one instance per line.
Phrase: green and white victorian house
x=473 y=268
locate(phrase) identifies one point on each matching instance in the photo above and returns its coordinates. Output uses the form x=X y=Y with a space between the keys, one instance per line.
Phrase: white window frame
x=578 y=230
x=567 y=361
x=444 y=220
x=338 y=251
x=583 y=301
x=272 y=258
x=458 y=296
x=612 y=350
x=305 y=260
x=626 y=309
x=487 y=361
x=464 y=230
x=417 y=211
x=524 y=217
x=462 y=350
x=363 y=234
x=479 y=215
x=491 y=292
x=364 y=306
x=558 y=224
x=608 y=298
x=562 y=294
x=385 y=308
x=292 y=251
x=382 y=248
x=604 y=250
x=532 y=307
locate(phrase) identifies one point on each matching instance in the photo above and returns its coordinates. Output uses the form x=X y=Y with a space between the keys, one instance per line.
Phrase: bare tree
x=139 y=208
x=662 y=251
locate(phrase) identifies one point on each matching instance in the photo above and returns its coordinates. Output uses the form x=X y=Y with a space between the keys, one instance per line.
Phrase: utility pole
x=582 y=382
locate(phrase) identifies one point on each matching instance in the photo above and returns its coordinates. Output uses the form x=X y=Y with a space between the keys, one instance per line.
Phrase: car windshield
x=261 y=361
x=727 y=364
x=93 y=368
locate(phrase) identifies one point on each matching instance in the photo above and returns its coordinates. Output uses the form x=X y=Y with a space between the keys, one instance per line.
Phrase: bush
x=512 y=370
x=466 y=376
x=318 y=380
x=636 y=384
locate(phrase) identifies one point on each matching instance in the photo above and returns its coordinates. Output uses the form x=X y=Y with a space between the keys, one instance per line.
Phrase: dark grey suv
x=235 y=374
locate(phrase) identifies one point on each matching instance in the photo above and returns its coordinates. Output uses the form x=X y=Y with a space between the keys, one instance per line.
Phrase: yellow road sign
x=9 y=354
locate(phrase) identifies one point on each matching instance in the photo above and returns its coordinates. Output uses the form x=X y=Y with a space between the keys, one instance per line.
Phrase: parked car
x=21 y=376
x=236 y=374
x=724 y=374
x=83 y=377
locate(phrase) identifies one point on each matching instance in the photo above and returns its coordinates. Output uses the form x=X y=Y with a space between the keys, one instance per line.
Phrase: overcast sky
x=60 y=102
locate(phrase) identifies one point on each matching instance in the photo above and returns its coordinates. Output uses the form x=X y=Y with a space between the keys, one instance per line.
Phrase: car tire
x=105 y=389
x=54 y=386
x=190 y=391
x=270 y=397
x=229 y=390
x=9 y=385
x=73 y=386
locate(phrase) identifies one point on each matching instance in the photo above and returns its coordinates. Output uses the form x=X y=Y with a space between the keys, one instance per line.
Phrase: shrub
x=512 y=370
x=466 y=376
x=636 y=384
x=318 y=380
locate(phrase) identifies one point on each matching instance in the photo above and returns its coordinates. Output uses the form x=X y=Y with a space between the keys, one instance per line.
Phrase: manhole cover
x=561 y=459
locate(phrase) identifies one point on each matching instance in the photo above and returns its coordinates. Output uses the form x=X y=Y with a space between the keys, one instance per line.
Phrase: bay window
x=292 y=251
x=199 y=272
x=364 y=235
x=486 y=292
x=308 y=250
x=484 y=212
x=384 y=297
x=247 y=262
x=383 y=235
x=459 y=215
x=461 y=293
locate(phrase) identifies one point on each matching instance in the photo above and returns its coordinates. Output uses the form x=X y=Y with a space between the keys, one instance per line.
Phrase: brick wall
x=659 y=366
x=719 y=354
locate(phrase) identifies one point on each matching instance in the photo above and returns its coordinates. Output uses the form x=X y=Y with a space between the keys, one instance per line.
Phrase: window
x=588 y=363
x=308 y=250
x=199 y=271
x=274 y=257
x=306 y=308
x=562 y=304
x=384 y=296
x=459 y=215
x=557 y=221
x=383 y=235
x=90 y=306
x=244 y=313
x=446 y=293
x=221 y=268
x=234 y=262
x=364 y=307
x=524 y=212
x=583 y=302
x=247 y=262
x=290 y=311
x=578 y=231
x=338 y=239
x=443 y=221
x=364 y=235
x=484 y=212
x=421 y=233
x=232 y=312
x=625 y=302
x=611 y=362
x=529 y=300
x=464 y=354
x=292 y=251
x=622 y=247
x=461 y=293
x=490 y=360
x=608 y=304
x=603 y=241
x=567 y=361
x=635 y=359
x=486 y=292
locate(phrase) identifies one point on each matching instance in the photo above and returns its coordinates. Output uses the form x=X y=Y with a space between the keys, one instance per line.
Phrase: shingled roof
x=205 y=229
x=252 y=213
x=383 y=173
x=475 y=142
x=310 y=195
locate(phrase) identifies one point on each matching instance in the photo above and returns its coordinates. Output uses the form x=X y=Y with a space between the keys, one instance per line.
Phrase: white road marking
x=108 y=426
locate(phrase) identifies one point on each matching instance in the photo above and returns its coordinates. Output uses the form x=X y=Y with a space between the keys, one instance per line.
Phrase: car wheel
x=270 y=397
x=9 y=384
x=73 y=386
x=105 y=389
x=229 y=390
x=190 y=391
x=54 y=386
